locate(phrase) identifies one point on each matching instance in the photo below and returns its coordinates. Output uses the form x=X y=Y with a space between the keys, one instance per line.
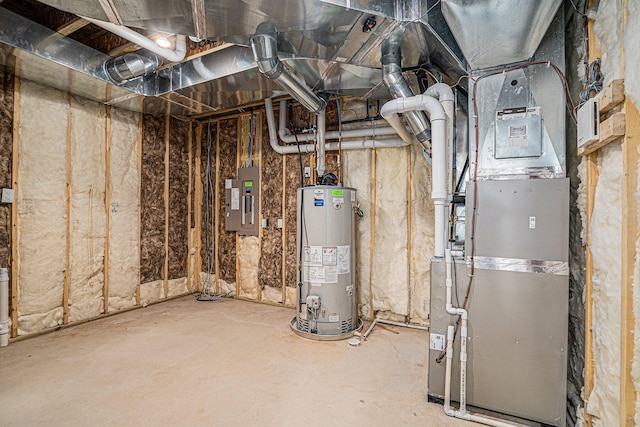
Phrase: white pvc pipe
x=437 y=117
x=4 y=307
x=287 y=138
x=176 y=55
x=446 y=97
x=322 y=120
x=331 y=146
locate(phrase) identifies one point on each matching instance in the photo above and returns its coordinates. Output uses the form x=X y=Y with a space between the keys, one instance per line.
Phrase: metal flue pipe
x=265 y=52
x=399 y=88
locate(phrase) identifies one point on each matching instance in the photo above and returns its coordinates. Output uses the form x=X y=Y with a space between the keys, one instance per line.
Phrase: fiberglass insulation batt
x=87 y=217
x=124 y=258
x=605 y=239
x=41 y=196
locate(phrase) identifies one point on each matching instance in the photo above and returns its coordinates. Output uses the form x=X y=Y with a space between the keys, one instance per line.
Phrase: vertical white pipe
x=4 y=307
x=321 y=140
x=439 y=183
x=447 y=375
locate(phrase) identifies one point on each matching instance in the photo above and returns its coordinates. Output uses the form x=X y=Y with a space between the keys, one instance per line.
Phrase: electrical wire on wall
x=249 y=144
x=570 y=107
x=208 y=292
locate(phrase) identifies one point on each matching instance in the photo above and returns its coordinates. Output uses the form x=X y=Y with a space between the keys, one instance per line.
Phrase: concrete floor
x=224 y=363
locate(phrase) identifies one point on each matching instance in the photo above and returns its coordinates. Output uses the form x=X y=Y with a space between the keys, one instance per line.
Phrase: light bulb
x=163 y=41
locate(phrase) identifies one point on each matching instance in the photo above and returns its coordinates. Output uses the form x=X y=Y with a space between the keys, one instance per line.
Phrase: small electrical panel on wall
x=242 y=200
x=589 y=123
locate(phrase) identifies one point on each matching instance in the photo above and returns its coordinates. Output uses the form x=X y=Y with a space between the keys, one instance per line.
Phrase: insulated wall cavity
x=178 y=199
x=228 y=146
x=357 y=163
x=208 y=175
x=270 y=267
x=390 y=276
x=152 y=210
x=87 y=216
x=422 y=240
x=605 y=243
x=6 y=151
x=42 y=211
x=124 y=257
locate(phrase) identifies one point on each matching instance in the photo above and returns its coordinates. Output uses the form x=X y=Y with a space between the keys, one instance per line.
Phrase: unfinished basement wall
x=6 y=148
x=615 y=247
x=395 y=237
x=78 y=198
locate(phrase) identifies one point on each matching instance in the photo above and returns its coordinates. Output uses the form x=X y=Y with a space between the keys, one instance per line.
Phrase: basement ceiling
x=327 y=43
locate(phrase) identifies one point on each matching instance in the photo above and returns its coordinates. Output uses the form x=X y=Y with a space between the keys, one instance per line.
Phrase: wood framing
x=167 y=128
x=216 y=212
x=14 y=206
x=139 y=163
x=65 y=289
x=589 y=366
x=189 y=204
x=373 y=230
x=630 y=144
x=410 y=289
x=107 y=204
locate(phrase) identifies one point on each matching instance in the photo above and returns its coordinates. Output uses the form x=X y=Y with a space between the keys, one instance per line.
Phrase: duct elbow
x=265 y=53
x=441 y=91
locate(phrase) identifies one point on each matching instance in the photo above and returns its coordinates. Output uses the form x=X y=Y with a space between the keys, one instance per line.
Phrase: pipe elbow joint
x=448 y=410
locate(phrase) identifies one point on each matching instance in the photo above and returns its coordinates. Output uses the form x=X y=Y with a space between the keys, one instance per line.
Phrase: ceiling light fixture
x=163 y=41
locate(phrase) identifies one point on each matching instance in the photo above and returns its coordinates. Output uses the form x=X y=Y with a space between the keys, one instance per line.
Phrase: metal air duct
x=130 y=66
x=398 y=86
x=265 y=52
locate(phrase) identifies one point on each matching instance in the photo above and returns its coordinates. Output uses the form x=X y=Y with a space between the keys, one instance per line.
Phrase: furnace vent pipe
x=4 y=307
x=399 y=88
x=331 y=146
x=322 y=121
x=265 y=52
x=444 y=94
x=439 y=193
x=176 y=55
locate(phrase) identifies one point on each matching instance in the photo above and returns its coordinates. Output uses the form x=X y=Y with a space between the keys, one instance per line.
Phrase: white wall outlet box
x=7 y=195
x=589 y=123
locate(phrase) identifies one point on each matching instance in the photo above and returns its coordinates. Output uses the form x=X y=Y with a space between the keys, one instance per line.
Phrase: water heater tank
x=326 y=289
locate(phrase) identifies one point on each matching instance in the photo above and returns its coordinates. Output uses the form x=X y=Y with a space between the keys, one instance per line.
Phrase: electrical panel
x=242 y=200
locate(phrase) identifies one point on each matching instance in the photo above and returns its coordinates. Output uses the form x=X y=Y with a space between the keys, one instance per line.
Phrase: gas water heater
x=326 y=289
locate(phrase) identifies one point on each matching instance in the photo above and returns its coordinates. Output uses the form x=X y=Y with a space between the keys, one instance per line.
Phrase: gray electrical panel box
x=242 y=200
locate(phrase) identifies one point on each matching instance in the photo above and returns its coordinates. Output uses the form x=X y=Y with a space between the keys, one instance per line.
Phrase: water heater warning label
x=344 y=259
x=330 y=255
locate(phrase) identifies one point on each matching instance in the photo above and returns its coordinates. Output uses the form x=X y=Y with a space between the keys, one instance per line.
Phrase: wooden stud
x=197 y=207
x=611 y=96
x=14 y=206
x=258 y=127
x=167 y=126
x=216 y=213
x=139 y=160
x=592 y=181
x=284 y=229
x=189 y=201
x=410 y=290
x=610 y=130
x=238 y=155
x=630 y=235
x=107 y=203
x=65 y=289
x=373 y=230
